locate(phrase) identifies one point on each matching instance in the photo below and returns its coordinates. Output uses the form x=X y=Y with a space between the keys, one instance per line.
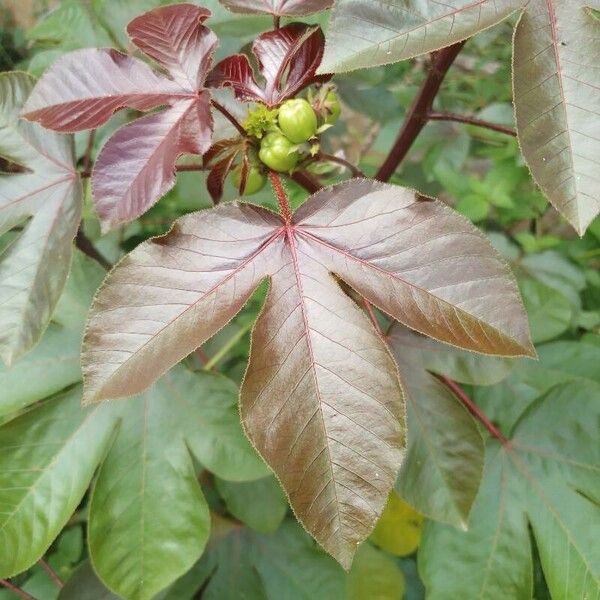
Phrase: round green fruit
x=276 y=152
x=333 y=107
x=297 y=120
x=255 y=181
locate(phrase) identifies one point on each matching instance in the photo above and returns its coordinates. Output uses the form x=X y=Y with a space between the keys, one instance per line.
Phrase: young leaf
x=442 y=471
x=556 y=48
x=321 y=400
x=556 y=83
x=45 y=199
x=287 y=60
x=279 y=8
x=546 y=477
x=365 y=33
x=82 y=90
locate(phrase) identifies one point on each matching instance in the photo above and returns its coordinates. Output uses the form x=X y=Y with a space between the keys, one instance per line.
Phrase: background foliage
x=539 y=497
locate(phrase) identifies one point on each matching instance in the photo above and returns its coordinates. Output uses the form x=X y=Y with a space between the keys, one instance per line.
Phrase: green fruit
x=276 y=152
x=255 y=181
x=333 y=108
x=297 y=120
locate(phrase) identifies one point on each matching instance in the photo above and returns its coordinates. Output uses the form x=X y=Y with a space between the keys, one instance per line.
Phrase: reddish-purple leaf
x=82 y=90
x=287 y=60
x=220 y=159
x=321 y=400
x=280 y=8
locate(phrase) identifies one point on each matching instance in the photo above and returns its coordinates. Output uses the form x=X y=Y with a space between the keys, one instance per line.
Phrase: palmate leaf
x=545 y=477
x=83 y=88
x=148 y=520
x=321 y=400
x=555 y=79
x=287 y=60
x=43 y=198
x=280 y=8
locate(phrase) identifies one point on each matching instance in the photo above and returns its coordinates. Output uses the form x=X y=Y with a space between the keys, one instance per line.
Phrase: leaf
x=549 y=312
x=375 y=576
x=259 y=504
x=45 y=200
x=365 y=33
x=83 y=89
x=85 y=585
x=556 y=47
x=287 y=61
x=399 y=529
x=559 y=362
x=54 y=363
x=442 y=471
x=555 y=82
x=321 y=400
x=545 y=478
x=280 y=8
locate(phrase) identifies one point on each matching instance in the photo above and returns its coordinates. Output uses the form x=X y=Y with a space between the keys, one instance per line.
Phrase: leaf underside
x=281 y=8
x=321 y=400
x=555 y=76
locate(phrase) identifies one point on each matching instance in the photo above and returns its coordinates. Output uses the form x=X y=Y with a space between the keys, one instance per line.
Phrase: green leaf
x=374 y=576
x=559 y=362
x=85 y=585
x=55 y=362
x=441 y=472
x=549 y=312
x=547 y=477
x=47 y=459
x=260 y=504
x=45 y=199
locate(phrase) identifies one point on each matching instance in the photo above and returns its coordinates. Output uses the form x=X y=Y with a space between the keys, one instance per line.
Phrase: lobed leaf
x=442 y=471
x=321 y=400
x=84 y=88
x=556 y=82
x=44 y=198
x=279 y=8
x=365 y=33
x=287 y=57
x=546 y=477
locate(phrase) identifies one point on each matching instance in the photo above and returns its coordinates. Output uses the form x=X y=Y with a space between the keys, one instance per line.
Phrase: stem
x=421 y=107
x=191 y=168
x=85 y=245
x=284 y=205
x=356 y=172
x=307 y=181
x=229 y=117
x=224 y=350
x=16 y=590
x=473 y=408
x=448 y=116
x=87 y=157
x=373 y=318
x=276 y=21
x=51 y=572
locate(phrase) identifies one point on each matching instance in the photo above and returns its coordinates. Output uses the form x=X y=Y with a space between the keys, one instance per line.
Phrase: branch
x=473 y=408
x=51 y=573
x=229 y=117
x=356 y=172
x=307 y=181
x=85 y=245
x=16 y=590
x=421 y=107
x=448 y=116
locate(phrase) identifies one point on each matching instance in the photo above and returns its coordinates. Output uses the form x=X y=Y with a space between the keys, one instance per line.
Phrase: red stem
x=229 y=117
x=51 y=573
x=448 y=116
x=308 y=182
x=85 y=245
x=356 y=172
x=373 y=318
x=276 y=21
x=473 y=408
x=16 y=590
x=421 y=107
x=282 y=198
x=87 y=157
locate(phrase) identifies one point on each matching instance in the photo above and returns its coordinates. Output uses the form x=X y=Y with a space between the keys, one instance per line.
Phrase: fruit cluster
x=286 y=135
